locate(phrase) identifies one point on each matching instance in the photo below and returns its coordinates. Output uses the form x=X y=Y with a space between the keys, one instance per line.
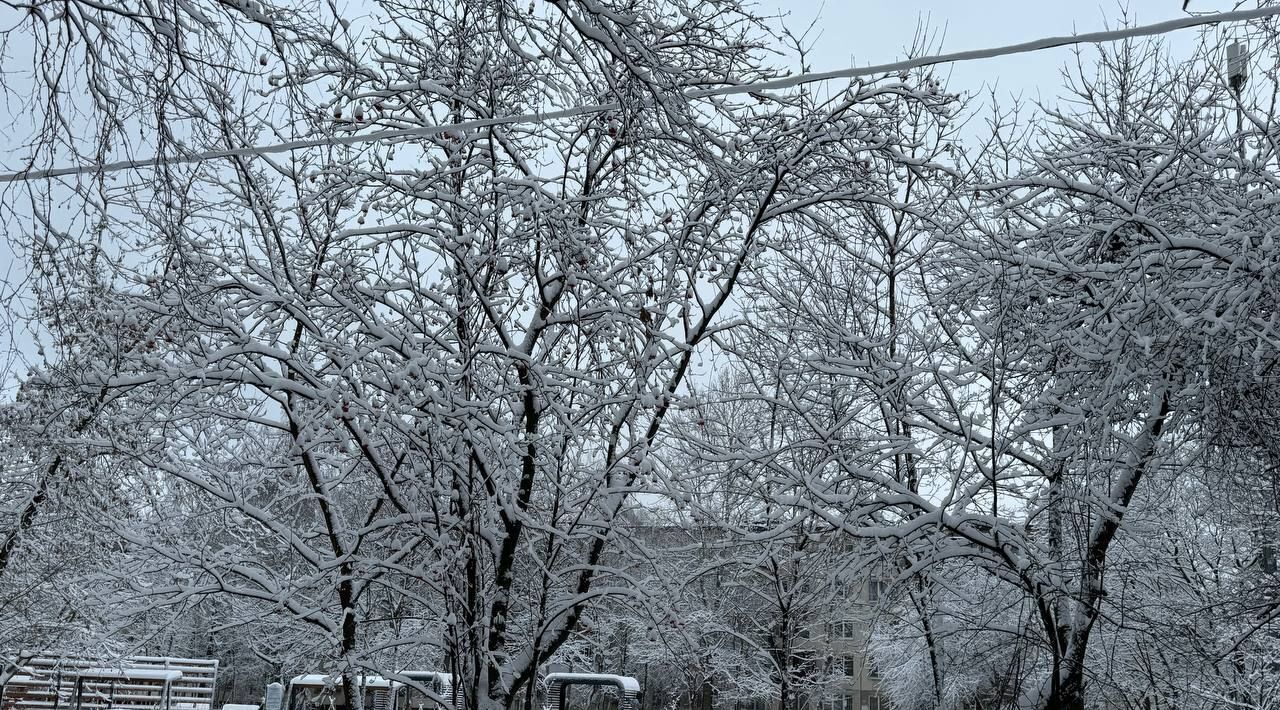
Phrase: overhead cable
x=787 y=82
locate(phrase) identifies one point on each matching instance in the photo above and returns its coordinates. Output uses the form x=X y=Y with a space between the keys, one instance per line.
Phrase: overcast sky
x=860 y=32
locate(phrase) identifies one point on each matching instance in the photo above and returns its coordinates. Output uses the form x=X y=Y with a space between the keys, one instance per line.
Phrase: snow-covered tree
x=1111 y=292
x=425 y=375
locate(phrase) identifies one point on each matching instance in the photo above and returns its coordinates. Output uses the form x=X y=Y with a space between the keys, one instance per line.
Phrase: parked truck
x=326 y=692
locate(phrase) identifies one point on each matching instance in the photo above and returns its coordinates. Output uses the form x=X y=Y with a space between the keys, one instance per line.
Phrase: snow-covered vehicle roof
x=419 y=675
x=324 y=679
x=625 y=682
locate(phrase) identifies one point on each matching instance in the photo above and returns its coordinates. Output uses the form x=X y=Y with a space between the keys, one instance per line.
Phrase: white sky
x=860 y=32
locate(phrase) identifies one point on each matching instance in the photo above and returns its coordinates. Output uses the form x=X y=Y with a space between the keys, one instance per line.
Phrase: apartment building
x=808 y=601
x=852 y=682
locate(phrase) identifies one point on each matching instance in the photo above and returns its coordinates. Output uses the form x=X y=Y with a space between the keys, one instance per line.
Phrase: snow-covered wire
x=1036 y=45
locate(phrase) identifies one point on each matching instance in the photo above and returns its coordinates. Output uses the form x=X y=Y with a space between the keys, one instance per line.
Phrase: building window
x=850 y=666
x=872 y=672
x=846 y=629
x=876 y=589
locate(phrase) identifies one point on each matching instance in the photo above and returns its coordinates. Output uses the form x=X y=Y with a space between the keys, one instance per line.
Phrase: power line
x=1037 y=45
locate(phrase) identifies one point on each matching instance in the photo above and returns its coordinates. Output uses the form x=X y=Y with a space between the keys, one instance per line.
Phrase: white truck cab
x=317 y=691
x=630 y=695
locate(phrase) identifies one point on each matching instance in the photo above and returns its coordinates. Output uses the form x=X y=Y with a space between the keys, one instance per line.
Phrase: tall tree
x=434 y=368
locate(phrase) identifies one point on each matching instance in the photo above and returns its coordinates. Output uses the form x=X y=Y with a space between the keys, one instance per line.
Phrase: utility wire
x=728 y=90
